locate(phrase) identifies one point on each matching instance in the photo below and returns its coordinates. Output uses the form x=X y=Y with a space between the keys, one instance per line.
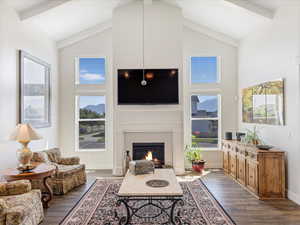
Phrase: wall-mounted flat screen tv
x=161 y=86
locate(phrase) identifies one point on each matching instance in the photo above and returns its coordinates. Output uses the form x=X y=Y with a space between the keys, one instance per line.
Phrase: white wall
x=197 y=44
x=163 y=49
x=122 y=45
x=271 y=53
x=14 y=36
x=97 y=45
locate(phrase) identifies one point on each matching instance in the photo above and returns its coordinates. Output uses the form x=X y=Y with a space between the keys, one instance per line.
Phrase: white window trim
x=77 y=72
x=95 y=90
x=219 y=74
x=215 y=118
x=77 y=120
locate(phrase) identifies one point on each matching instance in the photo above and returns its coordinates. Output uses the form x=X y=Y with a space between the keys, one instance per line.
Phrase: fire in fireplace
x=150 y=151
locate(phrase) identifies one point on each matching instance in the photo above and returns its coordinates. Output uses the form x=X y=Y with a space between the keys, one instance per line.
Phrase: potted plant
x=193 y=154
x=252 y=136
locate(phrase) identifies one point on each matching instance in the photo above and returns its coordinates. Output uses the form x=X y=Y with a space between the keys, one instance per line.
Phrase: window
x=91 y=122
x=205 y=121
x=204 y=70
x=90 y=71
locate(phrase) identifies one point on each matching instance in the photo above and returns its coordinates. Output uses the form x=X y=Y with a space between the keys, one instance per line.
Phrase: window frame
x=218 y=118
x=219 y=77
x=77 y=71
x=78 y=120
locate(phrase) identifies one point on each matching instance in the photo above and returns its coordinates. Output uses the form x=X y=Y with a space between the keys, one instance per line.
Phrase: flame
x=149 y=156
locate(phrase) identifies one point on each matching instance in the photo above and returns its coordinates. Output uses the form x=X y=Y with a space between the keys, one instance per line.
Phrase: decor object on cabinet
x=139 y=167
x=19 y=204
x=228 y=135
x=261 y=172
x=239 y=136
x=68 y=175
x=193 y=154
x=264 y=103
x=35 y=89
x=252 y=137
x=24 y=133
x=264 y=147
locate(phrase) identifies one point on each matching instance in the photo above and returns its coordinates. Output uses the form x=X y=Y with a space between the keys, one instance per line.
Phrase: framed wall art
x=264 y=103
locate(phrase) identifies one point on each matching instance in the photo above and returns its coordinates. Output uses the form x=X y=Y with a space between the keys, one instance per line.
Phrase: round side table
x=42 y=171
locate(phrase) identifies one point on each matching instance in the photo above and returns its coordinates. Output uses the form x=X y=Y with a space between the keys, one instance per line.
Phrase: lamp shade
x=24 y=133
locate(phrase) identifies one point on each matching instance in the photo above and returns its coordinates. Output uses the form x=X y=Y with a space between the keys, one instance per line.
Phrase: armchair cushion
x=54 y=155
x=16 y=215
x=65 y=170
x=15 y=187
x=23 y=209
x=3 y=206
x=69 y=161
x=41 y=157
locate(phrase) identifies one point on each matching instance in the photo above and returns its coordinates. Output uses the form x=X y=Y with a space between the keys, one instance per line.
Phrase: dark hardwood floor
x=238 y=203
x=245 y=209
x=61 y=205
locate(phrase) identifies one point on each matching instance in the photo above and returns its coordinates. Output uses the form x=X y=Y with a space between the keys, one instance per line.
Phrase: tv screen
x=161 y=86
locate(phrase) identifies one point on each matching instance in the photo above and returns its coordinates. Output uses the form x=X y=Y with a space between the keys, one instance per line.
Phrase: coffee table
x=136 y=195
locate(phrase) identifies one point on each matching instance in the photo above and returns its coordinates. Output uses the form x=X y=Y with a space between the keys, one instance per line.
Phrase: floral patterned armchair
x=69 y=172
x=19 y=205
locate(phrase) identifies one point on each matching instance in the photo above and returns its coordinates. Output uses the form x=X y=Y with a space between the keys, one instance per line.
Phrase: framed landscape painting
x=35 y=91
x=264 y=103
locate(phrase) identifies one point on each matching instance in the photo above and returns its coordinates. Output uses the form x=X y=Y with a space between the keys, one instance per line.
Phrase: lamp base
x=24 y=156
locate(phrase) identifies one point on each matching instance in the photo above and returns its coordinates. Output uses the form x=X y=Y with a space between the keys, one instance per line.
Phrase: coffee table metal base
x=167 y=209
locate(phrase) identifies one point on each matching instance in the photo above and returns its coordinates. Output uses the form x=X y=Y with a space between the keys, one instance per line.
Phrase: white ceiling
x=221 y=16
x=270 y=4
x=74 y=16
x=20 y=5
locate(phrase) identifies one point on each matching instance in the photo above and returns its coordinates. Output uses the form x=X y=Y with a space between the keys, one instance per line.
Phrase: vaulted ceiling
x=64 y=18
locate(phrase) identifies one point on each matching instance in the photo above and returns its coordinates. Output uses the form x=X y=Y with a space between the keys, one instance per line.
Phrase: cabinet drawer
x=232 y=164
x=252 y=175
x=241 y=169
x=225 y=161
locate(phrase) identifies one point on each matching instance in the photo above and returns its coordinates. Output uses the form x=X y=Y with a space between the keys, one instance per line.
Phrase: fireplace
x=149 y=151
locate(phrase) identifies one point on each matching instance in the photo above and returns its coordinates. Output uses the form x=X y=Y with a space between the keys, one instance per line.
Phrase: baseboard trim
x=293 y=197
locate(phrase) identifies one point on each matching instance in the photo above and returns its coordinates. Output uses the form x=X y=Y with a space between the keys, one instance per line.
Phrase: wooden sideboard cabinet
x=260 y=172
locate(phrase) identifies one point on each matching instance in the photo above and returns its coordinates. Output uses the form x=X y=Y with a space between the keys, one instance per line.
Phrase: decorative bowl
x=264 y=147
x=26 y=169
x=157 y=183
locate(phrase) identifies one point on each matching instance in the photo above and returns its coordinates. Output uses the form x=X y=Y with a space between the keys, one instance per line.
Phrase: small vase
x=127 y=161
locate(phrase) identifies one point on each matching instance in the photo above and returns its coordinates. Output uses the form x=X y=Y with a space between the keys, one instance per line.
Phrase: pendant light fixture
x=143 y=82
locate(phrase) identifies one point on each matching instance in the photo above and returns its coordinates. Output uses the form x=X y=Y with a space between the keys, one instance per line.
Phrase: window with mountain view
x=204 y=70
x=91 y=71
x=91 y=122
x=205 y=121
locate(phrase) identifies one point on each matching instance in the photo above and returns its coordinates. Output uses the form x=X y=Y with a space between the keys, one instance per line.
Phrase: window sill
x=91 y=150
x=210 y=149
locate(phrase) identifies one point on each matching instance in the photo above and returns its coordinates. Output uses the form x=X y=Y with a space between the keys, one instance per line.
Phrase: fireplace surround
x=150 y=133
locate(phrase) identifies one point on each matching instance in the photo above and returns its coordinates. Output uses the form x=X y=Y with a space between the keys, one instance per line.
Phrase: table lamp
x=24 y=133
